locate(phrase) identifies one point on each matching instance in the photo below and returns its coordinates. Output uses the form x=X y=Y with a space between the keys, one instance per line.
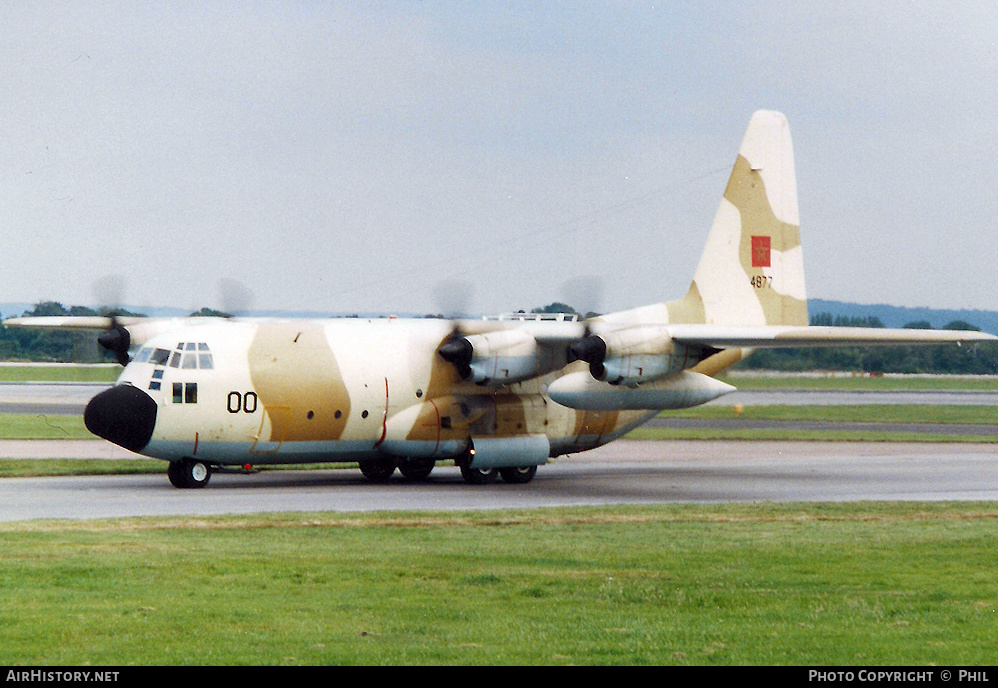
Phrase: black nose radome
x=123 y=415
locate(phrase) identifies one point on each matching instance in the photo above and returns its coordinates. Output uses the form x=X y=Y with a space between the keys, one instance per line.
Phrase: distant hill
x=899 y=316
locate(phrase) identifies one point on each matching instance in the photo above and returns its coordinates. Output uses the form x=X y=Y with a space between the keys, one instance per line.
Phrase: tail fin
x=751 y=271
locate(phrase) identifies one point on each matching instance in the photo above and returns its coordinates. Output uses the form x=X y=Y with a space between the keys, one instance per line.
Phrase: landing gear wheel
x=518 y=475
x=188 y=473
x=377 y=470
x=416 y=469
x=478 y=476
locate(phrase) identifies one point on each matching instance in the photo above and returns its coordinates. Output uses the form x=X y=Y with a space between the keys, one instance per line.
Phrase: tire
x=188 y=474
x=416 y=469
x=518 y=475
x=377 y=470
x=478 y=476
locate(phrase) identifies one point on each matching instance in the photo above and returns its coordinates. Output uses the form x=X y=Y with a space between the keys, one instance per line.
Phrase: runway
x=47 y=397
x=625 y=472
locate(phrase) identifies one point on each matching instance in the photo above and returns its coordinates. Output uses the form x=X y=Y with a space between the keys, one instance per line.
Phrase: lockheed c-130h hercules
x=498 y=396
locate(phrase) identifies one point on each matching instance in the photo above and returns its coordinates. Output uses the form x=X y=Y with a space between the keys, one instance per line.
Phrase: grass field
x=36 y=372
x=870 y=584
x=857 y=382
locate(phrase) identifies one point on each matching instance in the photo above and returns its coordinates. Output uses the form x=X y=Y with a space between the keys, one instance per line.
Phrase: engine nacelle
x=635 y=355
x=495 y=358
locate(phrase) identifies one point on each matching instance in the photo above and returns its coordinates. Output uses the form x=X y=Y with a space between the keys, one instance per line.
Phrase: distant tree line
x=24 y=344
x=21 y=344
x=17 y=344
x=971 y=359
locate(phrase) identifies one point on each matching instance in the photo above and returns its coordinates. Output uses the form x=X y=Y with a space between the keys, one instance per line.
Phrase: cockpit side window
x=159 y=357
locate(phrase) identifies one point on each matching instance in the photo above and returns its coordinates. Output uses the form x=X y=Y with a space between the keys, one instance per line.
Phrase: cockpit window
x=187 y=356
x=159 y=357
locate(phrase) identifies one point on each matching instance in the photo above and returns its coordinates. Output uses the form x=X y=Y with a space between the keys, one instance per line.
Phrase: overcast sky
x=354 y=156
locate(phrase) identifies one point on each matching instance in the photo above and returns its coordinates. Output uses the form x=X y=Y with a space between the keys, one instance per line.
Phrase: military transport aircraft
x=498 y=396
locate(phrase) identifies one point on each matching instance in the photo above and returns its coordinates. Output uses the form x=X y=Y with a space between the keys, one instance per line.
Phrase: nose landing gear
x=188 y=473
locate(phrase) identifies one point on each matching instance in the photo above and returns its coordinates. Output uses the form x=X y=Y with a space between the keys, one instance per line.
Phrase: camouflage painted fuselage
x=292 y=391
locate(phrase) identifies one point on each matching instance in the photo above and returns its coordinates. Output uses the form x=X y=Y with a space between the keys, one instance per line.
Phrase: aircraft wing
x=88 y=323
x=117 y=334
x=769 y=337
x=100 y=323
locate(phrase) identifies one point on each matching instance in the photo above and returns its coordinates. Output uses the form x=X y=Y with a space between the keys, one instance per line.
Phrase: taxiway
x=625 y=472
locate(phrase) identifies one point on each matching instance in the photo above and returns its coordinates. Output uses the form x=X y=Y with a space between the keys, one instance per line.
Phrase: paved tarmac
x=624 y=472
x=47 y=397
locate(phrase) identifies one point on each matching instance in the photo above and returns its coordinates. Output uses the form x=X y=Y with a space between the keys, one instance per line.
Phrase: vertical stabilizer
x=751 y=271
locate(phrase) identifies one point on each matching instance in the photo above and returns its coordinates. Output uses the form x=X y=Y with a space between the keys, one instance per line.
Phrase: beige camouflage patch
x=298 y=380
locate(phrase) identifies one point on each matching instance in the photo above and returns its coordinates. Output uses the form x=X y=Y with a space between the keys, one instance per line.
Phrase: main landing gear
x=517 y=475
x=381 y=469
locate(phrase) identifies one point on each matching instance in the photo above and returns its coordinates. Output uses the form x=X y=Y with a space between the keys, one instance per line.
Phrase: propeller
x=116 y=340
x=584 y=294
x=108 y=291
x=452 y=298
x=237 y=298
